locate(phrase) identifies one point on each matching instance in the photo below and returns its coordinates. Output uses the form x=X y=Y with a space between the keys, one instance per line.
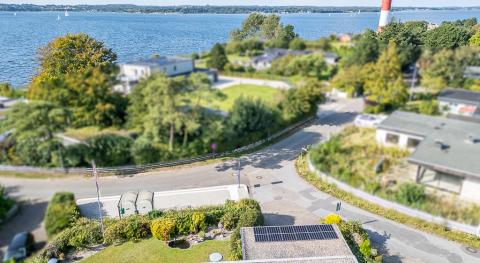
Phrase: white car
x=368 y=121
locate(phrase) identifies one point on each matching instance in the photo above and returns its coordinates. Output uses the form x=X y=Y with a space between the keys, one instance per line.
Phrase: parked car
x=368 y=121
x=21 y=246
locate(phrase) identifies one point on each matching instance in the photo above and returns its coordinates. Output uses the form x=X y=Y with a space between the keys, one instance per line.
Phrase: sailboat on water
x=58 y=18
x=66 y=13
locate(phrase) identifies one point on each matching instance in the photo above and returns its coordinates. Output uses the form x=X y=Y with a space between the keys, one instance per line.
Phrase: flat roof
x=326 y=250
x=449 y=145
x=460 y=96
x=159 y=61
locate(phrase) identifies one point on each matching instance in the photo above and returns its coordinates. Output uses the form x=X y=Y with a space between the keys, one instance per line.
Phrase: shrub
x=235 y=244
x=333 y=219
x=198 y=222
x=127 y=229
x=410 y=193
x=366 y=249
x=163 y=228
x=5 y=203
x=246 y=212
x=62 y=212
x=109 y=150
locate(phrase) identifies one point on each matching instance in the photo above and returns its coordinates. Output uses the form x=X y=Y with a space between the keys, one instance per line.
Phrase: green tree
x=350 y=80
x=447 y=67
x=475 y=40
x=218 y=57
x=248 y=119
x=285 y=36
x=34 y=126
x=78 y=71
x=408 y=44
x=270 y=27
x=6 y=90
x=302 y=101
x=297 y=44
x=366 y=49
x=384 y=84
x=446 y=36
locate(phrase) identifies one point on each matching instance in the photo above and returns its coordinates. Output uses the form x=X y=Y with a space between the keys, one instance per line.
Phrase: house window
x=392 y=138
x=412 y=142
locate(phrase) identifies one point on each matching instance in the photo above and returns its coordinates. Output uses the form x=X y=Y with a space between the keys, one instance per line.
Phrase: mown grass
x=232 y=93
x=153 y=250
x=90 y=131
x=417 y=223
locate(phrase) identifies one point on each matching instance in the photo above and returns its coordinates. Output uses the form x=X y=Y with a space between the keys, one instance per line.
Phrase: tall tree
x=447 y=36
x=77 y=69
x=218 y=57
x=475 y=40
x=384 y=84
x=408 y=44
x=34 y=126
x=366 y=49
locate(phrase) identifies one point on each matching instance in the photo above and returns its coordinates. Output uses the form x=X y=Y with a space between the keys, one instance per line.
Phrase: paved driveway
x=285 y=198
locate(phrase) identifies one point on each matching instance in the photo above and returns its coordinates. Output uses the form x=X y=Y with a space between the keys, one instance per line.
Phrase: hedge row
x=84 y=233
x=420 y=224
x=62 y=212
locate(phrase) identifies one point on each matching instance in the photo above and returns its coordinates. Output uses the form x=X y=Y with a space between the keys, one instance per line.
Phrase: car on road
x=21 y=246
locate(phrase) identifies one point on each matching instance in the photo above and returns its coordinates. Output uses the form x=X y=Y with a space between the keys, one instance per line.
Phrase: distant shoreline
x=212 y=9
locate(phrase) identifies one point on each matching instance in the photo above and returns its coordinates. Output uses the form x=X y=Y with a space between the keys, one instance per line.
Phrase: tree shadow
x=28 y=219
x=379 y=242
x=278 y=220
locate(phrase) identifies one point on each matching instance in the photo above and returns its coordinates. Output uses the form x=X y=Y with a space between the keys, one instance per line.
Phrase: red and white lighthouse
x=385 y=14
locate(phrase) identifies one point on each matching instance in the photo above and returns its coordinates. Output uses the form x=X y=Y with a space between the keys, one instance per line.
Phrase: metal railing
x=135 y=169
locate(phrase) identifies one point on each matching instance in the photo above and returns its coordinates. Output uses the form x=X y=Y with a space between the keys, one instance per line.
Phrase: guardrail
x=392 y=205
x=135 y=169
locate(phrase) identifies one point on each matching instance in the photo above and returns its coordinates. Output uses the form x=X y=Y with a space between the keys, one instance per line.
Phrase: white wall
x=381 y=137
x=181 y=67
x=134 y=72
x=471 y=190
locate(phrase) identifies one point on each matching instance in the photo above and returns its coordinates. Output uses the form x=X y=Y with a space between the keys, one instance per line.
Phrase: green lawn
x=264 y=93
x=153 y=250
x=87 y=132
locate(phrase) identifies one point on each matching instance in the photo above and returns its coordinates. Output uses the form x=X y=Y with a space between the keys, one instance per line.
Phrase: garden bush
x=62 y=212
x=410 y=194
x=127 y=229
x=235 y=244
x=333 y=219
x=246 y=211
x=198 y=222
x=163 y=228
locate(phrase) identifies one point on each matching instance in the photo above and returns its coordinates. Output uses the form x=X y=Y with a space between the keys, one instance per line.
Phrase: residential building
x=265 y=60
x=308 y=243
x=446 y=151
x=460 y=103
x=330 y=58
x=472 y=73
x=133 y=72
x=345 y=38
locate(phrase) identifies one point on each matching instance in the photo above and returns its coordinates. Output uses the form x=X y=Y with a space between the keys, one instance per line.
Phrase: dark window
x=392 y=138
x=412 y=143
x=174 y=68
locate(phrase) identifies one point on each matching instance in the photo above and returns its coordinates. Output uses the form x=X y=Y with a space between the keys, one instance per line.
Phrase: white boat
x=14 y=14
x=66 y=13
x=58 y=17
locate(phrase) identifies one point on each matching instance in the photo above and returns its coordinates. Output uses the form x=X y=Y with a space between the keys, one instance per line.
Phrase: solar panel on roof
x=294 y=233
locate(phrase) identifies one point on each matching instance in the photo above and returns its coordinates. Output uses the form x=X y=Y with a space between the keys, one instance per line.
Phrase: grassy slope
x=153 y=250
x=264 y=93
x=86 y=132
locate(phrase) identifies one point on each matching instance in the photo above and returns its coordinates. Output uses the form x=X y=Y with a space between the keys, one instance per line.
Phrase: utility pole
x=238 y=171
x=94 y=170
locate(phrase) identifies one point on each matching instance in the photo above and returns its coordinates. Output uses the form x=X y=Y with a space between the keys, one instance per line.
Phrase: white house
x=445 y=151
x=460 y=103
x=131 y=73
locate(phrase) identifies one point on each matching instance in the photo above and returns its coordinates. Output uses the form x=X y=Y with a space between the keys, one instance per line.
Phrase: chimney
x=384 y=14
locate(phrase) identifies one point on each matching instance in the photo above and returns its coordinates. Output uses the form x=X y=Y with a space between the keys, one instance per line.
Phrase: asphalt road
x=285 y=198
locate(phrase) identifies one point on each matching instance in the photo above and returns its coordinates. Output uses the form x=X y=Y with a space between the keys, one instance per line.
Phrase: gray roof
x=326 y=251
x=460 y=96
x=449 y=145
x=159 y=61
x=275 y=53
x=472 y=72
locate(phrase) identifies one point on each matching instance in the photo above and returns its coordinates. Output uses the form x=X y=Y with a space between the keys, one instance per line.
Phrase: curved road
x=285 y=198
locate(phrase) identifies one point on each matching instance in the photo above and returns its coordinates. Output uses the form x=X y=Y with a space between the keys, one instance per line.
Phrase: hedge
x=62 y=212
x=420 y=224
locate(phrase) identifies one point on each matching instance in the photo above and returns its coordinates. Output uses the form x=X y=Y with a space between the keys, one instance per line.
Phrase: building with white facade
x=460 y=103
x=446 y=151
x=133 y=72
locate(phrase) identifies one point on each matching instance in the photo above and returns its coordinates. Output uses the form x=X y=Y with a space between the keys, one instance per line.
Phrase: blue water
x=134 y=36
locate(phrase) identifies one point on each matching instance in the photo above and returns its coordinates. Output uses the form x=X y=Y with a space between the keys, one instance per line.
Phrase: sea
x=136 y=36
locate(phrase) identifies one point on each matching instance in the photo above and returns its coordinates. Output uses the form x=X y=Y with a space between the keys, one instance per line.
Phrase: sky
x=423 y=3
